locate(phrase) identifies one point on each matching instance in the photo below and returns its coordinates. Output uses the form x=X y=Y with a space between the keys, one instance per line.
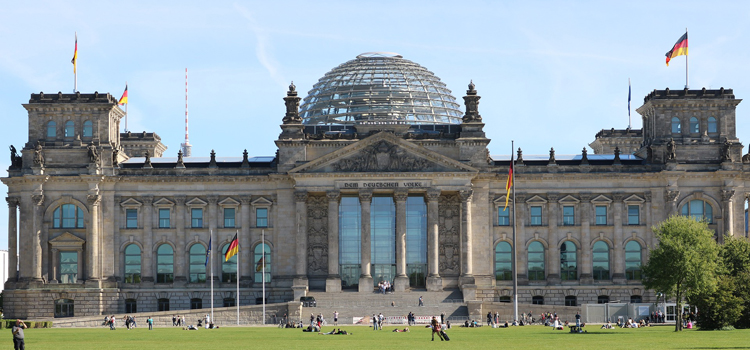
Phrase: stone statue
x=179 y=157
x=471 y=100
x=671 y=154
x=15 y=159
x=725 y=155
x=93 y=154
x=552 y=155
x=519 y=159
x=115 y=155
x=39 y=155
x=147 y=162
x=584 y=156
x=292 y=106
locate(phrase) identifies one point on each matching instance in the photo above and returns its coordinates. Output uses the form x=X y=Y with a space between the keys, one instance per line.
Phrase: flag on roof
x=74 y=61
x=680 y=48
x=124 y=98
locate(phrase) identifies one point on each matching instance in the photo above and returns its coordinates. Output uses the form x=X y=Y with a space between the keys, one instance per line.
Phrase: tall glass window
x=503 y=216
x=568 y=261
x=51 y=130
x=88 y=129
x=676 y=127
x=569 y=215
x=503 y=262
x=600 y=260
x=634 y=215
x=164 y=218
x=633 y=260
x=416 y=241
x=197 y=264
x=694 y=126
x=67 y=216
x=68 y=267
x=383 y=239
x=263 y=257
x=536 y=216
x=132 y=264
x=69 y=129
x=350 y=236
x=601 y=214
x=196 y=217
x=535 y=261
x=228 y=267
x=712 y=125
x=699 y=210
x=131 y=218
x=164 y=264
x=261 y=217
x=229 y=217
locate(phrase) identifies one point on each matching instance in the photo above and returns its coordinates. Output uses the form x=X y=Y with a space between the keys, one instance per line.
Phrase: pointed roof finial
x=471 y=85
x=292 y=87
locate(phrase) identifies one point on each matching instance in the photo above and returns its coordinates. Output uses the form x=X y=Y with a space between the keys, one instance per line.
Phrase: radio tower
x=186 y=147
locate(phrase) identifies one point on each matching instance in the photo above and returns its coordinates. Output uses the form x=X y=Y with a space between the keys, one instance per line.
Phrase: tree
x=720 y=308
x=684 y=263
x=735 y=255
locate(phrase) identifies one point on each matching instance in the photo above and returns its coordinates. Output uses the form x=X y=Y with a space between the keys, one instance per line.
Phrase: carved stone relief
x=449 y=243
x=317 y=235
x=382 y=156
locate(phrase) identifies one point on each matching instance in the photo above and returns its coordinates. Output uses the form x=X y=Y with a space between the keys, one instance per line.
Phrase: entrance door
x=349 y=276
x=383 y=272
x=416 y=273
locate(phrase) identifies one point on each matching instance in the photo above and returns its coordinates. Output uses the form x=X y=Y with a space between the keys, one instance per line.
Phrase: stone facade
x=101 y=226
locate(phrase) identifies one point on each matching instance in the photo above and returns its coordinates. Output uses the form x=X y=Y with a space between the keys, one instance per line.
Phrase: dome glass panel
x=380 y=87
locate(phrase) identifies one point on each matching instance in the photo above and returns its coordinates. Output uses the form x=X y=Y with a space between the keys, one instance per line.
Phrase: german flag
x=509 y=183
x=124 y=98
x=74 y=61
x=233 y=248
x=680 y=48
x=259 y=266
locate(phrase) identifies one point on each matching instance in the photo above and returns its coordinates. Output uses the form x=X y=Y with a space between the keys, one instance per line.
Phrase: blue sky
x=550 y=73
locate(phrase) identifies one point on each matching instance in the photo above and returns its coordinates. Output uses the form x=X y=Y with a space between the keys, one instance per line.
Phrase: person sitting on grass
x=191 y=328
x=608 y=325
x=401 y=330
x=466 y=323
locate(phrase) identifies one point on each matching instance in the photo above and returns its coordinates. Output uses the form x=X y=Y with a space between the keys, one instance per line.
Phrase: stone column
x=246 y=268
x=401 y=282
x=645 y=218
x=79 y=253
x=333 y=281
x=619 y=251
x=300 y=279
x=728 y=208
x=553 y=252
x=467 y=248
x=55 y=265
x=12 y=238
x=213 y=220
x=365 y=277
x=92 y=239
x=148 y=240
x=585 y=267
x=434 y=281
x=520 y=252
x=180 y=273
x=36 y=249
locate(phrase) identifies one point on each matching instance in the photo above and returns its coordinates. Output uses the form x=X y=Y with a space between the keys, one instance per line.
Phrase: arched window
x=600 y=261
x=64 y=308
x=197 y=264
x=535 y=261
x=676 y=127
x=633 y=260
x=712 y=125
x=571 y=300
x=694 y=126
x=699 y=210
x=602 y=299
x=165 y=266
x=70 y=128
x=568 y=261
x=132 y=264
x=503 y=262
x=67 y=216
x=537 y=300
x=228 y=267
x=51 y=129
x=88 y=129
x=262 y=258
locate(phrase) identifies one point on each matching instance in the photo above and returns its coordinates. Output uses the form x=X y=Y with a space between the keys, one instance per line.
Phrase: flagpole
x=75 y=67
x=629 y=103
x=237 y=297
x=515 y=269
x=126 y=109
x=211 y=257
x=263 y=273
x=686 y=63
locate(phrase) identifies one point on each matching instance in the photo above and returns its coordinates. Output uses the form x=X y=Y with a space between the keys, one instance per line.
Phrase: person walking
x=150 y=322
x=374 y=322
x=421 y=302
x=17 y=330
x=436 y=329
x=578 y=320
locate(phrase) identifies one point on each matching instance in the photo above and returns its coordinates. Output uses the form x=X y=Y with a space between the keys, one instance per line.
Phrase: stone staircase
x=354 y=304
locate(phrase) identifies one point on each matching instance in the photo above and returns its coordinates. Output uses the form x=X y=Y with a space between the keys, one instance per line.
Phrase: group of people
x=657 y=317
x=385 y=287
x=130 y=322
x=377 y=321
x=629 y=323
x=110 y=321
x=178 y=321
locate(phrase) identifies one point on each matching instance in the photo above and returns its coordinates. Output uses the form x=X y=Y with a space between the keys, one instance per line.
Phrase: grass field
x=530 y=337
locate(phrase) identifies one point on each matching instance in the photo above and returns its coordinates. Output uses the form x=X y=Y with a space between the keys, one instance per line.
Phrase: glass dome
x=380 y=87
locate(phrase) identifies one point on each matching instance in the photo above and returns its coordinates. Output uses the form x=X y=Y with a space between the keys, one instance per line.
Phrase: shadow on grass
x=723 y=347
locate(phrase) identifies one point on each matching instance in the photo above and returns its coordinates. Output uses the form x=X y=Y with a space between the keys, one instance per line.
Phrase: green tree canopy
x=685 y=262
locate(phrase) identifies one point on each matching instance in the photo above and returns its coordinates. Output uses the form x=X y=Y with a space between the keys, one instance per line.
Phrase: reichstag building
x=380 y=175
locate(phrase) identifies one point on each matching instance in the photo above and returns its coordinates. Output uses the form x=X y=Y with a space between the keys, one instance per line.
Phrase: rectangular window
x=131 y=218
x=536 y=216
x=503 y=216
x=569 y=215
x=164 y=218
x=68 y=267
x=228 y=217
x=196 y=218
x=261 y=217
x=601 y=215
x=634 y=215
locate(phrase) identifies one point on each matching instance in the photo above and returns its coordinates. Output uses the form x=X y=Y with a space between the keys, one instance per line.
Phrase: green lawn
x=530 y=337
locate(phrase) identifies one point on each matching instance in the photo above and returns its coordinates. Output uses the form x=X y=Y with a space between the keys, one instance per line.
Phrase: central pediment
x=383 y=152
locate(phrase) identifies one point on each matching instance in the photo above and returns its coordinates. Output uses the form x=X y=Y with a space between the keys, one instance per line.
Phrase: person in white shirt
x=335 y=318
